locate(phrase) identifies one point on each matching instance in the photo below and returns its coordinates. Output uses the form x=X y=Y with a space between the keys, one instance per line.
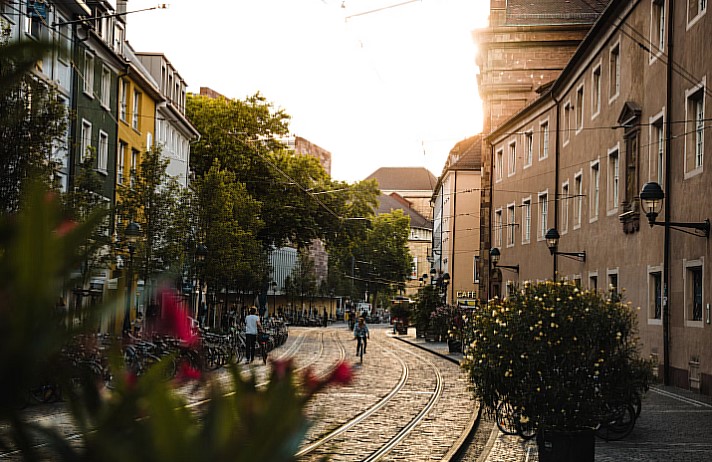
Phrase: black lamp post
x=552 y=241
x=274 y=296
x=495 y=255
x=200 y=253
x=444 y=282
x=652 y=197
x=651 y=201
x=132 y=233
x=433 y=276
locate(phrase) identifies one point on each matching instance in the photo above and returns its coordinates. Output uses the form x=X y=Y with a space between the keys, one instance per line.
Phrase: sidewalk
x=674 y=426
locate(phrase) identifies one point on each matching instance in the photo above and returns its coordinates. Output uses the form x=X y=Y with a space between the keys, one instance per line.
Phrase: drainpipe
x=668 y=184
x=488 y=245
x=557 y=155
x=453 y=233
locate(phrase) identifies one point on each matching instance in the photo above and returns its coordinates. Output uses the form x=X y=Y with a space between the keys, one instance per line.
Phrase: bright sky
x=390 y=88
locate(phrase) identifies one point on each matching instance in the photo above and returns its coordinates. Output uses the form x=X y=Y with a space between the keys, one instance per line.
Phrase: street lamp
x=200 y=253
x=552 y=241
x=444 y=282
x=651 y=201
x=652 y=197
x=433 y=276
x=132 y=233
x=495 y=255
x=274 y=296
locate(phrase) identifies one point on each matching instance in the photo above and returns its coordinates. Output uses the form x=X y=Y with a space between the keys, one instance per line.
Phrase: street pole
x=129 y=282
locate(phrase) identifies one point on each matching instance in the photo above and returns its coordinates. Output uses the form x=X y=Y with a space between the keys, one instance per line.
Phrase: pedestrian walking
x=252 y=327
x=325 y=317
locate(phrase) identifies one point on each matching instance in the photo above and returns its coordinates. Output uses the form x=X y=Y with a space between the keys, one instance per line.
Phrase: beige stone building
x=456 y=211
x=627 y=110
x=414 y=184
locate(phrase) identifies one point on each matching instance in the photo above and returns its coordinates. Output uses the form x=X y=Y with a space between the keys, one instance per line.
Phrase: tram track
x=362 y=427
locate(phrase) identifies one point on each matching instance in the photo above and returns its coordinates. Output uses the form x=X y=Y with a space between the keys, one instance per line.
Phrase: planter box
x=561 y=446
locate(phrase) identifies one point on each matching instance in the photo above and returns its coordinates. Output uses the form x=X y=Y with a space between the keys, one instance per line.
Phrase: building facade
x=456 y=212
x=628 y=110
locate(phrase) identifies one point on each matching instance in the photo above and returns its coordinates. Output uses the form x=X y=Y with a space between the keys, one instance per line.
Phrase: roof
x=466 y=154
x=404 y=179
x=389 y=202
x=553 y=12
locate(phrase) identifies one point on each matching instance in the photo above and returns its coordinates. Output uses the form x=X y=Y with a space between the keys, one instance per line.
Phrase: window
x=655 y=295
x=498 y=225
x=36 y=17
x=694 y=142
x=614 y=71
x=567 y=122
x=103 y=152
x=565 y=199
x=613 y=179
x=544 y=140
x=118 y=39
x=693 y=291
x=136 y=105
x=511 y=223
x=85 y=144
x=475 y=273
x=657 y=28
x=596 y=91
x=579 y=109
x=121 y=162
x=124 y=90
x=105 y=86
x=134 y=166
x=89 y=74
x=543 y=215
x=512 y=158
x=526 y=220
x=528 y=148
x=593 y=281
x=657 y=150
x=695 y=9
x=500 y=164
x=595 y=191
x=613 y=285
x=578 y=199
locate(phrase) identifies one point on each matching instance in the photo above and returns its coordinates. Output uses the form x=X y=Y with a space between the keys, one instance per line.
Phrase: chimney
x=121 y=6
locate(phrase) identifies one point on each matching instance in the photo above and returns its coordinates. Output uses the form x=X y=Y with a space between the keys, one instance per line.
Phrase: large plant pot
x=454 y=345
x=566 y=446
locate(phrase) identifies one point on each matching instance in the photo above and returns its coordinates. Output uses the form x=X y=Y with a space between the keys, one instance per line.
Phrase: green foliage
x=153 y=200
x=426 y=303
x=141 y=419
x=557 y=354
x=32 y=122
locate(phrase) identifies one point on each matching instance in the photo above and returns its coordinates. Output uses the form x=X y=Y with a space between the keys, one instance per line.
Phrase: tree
x=32 y=122
x=299 y=202
x=227 y=224
x=151 y=199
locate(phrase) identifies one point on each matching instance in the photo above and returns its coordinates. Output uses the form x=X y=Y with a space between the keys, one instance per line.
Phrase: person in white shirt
x=252 y=327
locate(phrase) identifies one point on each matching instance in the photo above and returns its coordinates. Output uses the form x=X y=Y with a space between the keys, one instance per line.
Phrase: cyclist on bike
x=361 y=334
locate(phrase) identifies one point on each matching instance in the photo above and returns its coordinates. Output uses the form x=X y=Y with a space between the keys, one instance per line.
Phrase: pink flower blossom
x=187 y=372
x=342 y=374
x=174 y=320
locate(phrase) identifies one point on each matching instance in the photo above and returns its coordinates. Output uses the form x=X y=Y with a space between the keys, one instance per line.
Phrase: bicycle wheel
x=618 y=424
x=263 y=347
x=504 y=418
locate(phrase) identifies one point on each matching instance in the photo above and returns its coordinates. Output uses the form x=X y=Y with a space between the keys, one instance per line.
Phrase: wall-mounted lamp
x=495 y=255
x=552 y=241
x=652 y=197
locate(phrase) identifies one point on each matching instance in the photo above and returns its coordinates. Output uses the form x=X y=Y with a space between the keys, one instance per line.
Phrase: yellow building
x=139 y=96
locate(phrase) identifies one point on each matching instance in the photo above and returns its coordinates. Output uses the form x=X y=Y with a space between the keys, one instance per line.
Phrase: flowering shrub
x=444 y=319
x=557 y=354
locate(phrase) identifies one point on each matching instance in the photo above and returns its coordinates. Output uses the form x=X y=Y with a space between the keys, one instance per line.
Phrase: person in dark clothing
x=325 y=317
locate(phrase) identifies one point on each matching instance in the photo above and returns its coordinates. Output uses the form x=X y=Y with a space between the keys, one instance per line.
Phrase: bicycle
x=263 y=339
x=360 y=347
